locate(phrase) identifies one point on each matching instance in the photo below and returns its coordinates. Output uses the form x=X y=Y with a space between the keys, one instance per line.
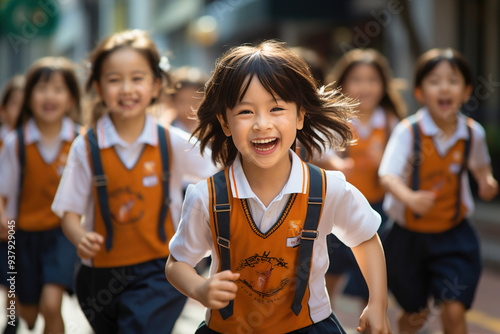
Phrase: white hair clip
x=164 y=63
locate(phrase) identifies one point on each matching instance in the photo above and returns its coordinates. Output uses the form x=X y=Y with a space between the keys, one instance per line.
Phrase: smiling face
x=263 y=127
x=443 y=91
x=50 y=99
x=364 y=83
x=127 y=84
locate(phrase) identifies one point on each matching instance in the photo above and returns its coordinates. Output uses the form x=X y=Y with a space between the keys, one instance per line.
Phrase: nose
x=262 y=121
x=127 y=86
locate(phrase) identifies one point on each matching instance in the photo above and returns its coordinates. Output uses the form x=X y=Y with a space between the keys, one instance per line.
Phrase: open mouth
x=445 y=103
x=127 y=103
x=264 y=145
x=49 y=107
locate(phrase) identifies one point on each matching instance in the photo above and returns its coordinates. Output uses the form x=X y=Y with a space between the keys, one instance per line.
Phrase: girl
x=260 y=218
x=432 y=249
x=10 y=105
x=187 y=93
x=125 y=181
x=44 y=258
x=363 y=74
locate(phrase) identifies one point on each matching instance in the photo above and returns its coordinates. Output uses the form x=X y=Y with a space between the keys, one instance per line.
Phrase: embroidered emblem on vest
x=293 y=236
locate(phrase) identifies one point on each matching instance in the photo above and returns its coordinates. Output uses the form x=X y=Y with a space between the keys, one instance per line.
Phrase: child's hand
x=488 y=188
x=375 y=318
x=421 y=201
x=4 y=229
x=89 y=245
x=218 y=290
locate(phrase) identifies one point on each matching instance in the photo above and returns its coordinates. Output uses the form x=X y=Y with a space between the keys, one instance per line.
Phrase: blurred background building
x=195 y=32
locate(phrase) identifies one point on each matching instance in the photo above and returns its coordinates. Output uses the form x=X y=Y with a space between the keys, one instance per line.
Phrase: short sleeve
x=193 y=239
x=479 y=156
x=354 y=221
x=395 y=160
x=9 y=174
x=75 y=188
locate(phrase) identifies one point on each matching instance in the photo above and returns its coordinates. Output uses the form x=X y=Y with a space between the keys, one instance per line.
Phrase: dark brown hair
x=13 y=84
x=430 y=59
x=134 y=39
x=283 y=74
x=42 y=70
x=391 y=101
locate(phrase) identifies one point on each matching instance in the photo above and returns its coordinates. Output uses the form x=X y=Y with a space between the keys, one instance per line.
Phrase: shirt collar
x=429 y=128
x=107 y=135
x=32 y=133
x=295 y=184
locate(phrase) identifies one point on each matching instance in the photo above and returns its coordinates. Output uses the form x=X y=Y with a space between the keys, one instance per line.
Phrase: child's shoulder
x=477 y=129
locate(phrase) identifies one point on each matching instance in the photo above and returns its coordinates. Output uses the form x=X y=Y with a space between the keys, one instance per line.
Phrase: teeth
x=263 y=141
x=127 y=103
x=265 y=149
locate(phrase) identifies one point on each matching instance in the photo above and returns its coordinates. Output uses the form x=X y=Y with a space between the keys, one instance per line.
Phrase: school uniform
x=438 y=253
x=264 y=242
x=130 y=265
x=30 y=175
x=4 y=130
x=367 y=152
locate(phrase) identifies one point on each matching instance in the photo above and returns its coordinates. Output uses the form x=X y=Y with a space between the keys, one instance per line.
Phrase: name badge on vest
x=150 y=179
x=293 y=236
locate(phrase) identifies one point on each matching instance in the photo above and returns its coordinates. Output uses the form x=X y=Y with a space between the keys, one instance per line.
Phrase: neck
x=48 y=130
x=129 y=129
x=447 y=126
x=365 y=115
x=267 y=183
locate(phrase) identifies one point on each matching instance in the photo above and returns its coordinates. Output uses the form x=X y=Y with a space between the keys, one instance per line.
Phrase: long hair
x=283 y=74
x=391 y=101
x=16 y=83
x=42 y=70
x=134 y=39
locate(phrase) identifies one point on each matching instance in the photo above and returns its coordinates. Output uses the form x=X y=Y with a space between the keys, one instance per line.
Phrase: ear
x=156 y=88
x=417 y=92
x=224 y=125
x=97 y=88
x=300 y=119
x=468 y=93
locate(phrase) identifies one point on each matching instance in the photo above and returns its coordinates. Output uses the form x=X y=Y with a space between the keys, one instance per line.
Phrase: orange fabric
x=135 y=198
x=268 y=265
x=367 y=154
x=438 y=174
x=39 y=188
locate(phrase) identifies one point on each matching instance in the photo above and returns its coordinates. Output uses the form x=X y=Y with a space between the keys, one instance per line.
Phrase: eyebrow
x=269 y=101
x=118 y=73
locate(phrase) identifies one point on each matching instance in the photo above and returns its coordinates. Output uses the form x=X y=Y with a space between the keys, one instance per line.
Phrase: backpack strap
x=100 y=182
x=222 y=212
x=165 y=177
x=416 y=161
x=463 y=168
x=21 y=150
x=309 y=234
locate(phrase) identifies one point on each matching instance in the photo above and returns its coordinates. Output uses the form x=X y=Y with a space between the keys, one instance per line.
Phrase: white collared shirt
x=346 y=213
x=75 y=188
x=396 y=159
x=9 y=158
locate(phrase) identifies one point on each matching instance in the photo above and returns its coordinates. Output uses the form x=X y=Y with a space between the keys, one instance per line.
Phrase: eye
x=137 y=78
x=113 y=80
x=244 y=112
x=277 y=109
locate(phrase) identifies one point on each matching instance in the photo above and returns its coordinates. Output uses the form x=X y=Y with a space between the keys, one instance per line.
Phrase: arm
x=488 y=186
x=87 y=244
x=213 y=293
x=371 y=261
x=419 y=202
x=3 y=220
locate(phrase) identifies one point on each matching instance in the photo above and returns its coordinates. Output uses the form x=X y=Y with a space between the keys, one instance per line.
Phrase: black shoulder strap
x=415 y=182
x=22 y=156
x=100 y=181
x=309 y=234
x=463 y=168
x=222 y=212
x=165 y=176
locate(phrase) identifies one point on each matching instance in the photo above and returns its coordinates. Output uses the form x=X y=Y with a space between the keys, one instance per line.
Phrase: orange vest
x=268 y=265
x=134 y=197
x=367 y=154
x=39 y=186
x=442 y=176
